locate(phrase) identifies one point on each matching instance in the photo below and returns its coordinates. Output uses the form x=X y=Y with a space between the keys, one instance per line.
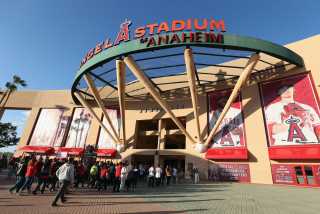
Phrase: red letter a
x=226 y=136
x=123 y=35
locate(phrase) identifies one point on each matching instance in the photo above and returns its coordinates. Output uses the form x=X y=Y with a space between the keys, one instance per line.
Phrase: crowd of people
x=100 y=175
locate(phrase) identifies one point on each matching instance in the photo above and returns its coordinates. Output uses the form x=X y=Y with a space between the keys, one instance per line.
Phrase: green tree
x=12 y=87
x=8 y=135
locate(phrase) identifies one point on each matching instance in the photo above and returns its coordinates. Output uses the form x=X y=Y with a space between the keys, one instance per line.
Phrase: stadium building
x=236 y=108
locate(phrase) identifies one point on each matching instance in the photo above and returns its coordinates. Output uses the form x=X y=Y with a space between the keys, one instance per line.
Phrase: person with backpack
x=30 y=174
x=44 y=177
x=65 y=175
x=129 y=175
x=21 y=173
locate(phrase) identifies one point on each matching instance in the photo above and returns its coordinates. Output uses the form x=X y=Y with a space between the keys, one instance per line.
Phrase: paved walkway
x=206 y=197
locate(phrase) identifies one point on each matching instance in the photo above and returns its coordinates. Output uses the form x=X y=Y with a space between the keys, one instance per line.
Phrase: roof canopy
x=163 y=62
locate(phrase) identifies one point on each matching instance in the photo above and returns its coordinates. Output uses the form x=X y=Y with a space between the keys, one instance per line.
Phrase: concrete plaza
x=205 y=197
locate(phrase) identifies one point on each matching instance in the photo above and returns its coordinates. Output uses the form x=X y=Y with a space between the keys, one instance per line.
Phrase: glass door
x=305 y=176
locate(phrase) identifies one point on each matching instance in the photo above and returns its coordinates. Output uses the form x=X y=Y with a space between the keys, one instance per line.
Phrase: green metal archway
x=228 y=41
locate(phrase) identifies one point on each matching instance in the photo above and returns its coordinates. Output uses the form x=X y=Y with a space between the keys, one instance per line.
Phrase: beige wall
x=308 y=49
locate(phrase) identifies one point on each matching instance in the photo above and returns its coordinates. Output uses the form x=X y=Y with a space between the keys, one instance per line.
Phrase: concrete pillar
x=156 y=160
x=162 y=131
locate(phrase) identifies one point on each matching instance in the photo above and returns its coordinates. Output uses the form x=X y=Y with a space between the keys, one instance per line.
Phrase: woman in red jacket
x=31 y=171
x=79 y=175
x=103 y=178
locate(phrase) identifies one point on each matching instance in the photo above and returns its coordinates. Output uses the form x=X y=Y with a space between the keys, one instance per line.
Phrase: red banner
x=229 y=172
x=316 y=171
x=283 y=174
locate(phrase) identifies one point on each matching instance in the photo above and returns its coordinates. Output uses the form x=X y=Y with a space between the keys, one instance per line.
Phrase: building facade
x=252 y=146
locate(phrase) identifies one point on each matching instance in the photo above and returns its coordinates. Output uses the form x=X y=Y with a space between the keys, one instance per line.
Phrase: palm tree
x=11 y=87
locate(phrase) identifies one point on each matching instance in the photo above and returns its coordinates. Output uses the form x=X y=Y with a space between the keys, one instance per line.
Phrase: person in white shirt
x=158 y=175
x=123 y=176
x=151 y=176
x=174 y=175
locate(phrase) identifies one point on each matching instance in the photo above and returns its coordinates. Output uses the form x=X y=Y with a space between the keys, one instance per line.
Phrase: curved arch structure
x=228 y=41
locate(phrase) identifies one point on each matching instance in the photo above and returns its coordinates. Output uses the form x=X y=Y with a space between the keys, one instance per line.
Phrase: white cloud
x=19 y=124
x=26 y=113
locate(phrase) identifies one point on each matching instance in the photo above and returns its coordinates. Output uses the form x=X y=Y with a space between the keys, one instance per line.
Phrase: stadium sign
x=163 y=27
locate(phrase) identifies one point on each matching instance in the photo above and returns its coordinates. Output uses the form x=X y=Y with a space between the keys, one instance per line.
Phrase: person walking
x=93 y=174
x=13 y=165
x=174 y=175
x=158 y=176
x=151 y=176
x=21 y=173
x=112 y=171
x=168 y=174
x=79 y=175
x=116 y=183
x=31 y=170
x=141 y=172
x=3 y=163
x=191 y=174
x=55 y=179
x=44 y=177
x=129 y=175
x=123 y=176
x=39 y=164
x=103 y=178
x=136 y=175
x=85 y=174
x=163 y=176
x=65 y=175
x=196 y=175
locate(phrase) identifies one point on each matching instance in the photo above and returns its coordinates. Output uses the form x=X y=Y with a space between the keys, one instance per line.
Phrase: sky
x=44 y=42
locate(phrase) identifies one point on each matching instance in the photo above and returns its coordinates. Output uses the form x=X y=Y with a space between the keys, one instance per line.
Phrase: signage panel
x=283 y=174
x=229 y=172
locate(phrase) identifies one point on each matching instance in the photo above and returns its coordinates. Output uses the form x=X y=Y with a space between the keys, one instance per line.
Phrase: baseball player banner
x=104 y=140
x=46 y=128
x=231 y=131
x=316 y=170
x=291 y=111
x=283 y=174
x=229 y=172
x=62 y=130
x=79 y=129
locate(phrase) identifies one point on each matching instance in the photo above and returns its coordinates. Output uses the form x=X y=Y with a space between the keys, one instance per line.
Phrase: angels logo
x=124 y=32
x=226 y=137
x=294 y=130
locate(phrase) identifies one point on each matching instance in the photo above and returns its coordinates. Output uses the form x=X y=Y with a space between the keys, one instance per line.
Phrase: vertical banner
x=79 y=128
x=104 y=140
x=316 y=170
x=229 y=172
x=283 y=174
x=46 y=128
x=231 y=131
x=291 y=111
x=62 y=130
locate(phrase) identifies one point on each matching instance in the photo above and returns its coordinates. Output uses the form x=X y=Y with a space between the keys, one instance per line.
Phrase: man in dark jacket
x=129 y=175
x=21 y=173
x=111 y=173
